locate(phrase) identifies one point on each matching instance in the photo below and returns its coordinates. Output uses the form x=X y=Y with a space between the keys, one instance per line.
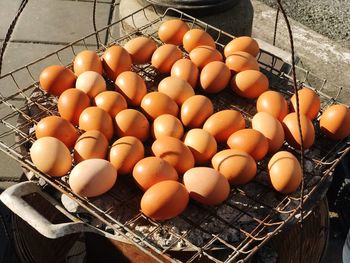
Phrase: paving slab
x=8 y=10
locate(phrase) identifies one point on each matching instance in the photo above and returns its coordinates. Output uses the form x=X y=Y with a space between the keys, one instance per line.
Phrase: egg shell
x=140 y=49
x=164 y=200
x=202 y=55
x=195 y=111
x=91 y=83
x=271 y=128
x=175 y=152
x=110 y=101
x=71 y=104
x=250 y=141
x=244 y=43
x=274 y=103
x=90 y=145
x=206 y=185
x=237 y=166
x=59 y=128
x=130 y=122
x=87 y=60
x=116 y=60
x=214 y=77
x=167 y=125
x=131 y=86
x=165 y=56
x=56 y=79
x=309 y=103
x=197 y=37
x=152 y=170
x=156 y=103
x=173 y=31
x=249 y=83
x=335 y=122
x=51 y=156
x=185 y=69
x=92 y=177
x=285 y=172
x=176 y=88
x=239 y=61
x=223 y=123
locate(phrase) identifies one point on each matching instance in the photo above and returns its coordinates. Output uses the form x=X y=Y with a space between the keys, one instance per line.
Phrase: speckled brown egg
x=131 y=86
x=197 y=37
x=274 y=103
x=156 y=103
x=309 y=103
x=140 y=49
x=165 y=56
x=239 y=61
x=87 y=60
x=176 y=88
x=244 y=43
x=214 y=77
x=172 y=31
x=202 y=55
x=196 y=110
x=335 y=122
x=91 y=83
x=110 y=101
x=185 y=69
x=250 y=83
x=116 y=60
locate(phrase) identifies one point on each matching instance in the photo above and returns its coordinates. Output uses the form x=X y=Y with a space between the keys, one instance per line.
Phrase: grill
x=232 y=231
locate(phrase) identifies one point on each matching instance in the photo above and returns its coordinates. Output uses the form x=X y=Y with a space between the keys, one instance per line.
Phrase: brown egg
x=91 y=83
x=309 y=103
x=110 y=101
x=271 y=128
x=291 y=130
x=214 y=77
x=90 y=145
x=164 y=200
x=244 y=43
x=223 y=123
x=174 y=152
x=203 y=55
x=176 y=88
x=94 y=118
x=130 y=122
x=167 y=125
x=250 y=141
x=92 y=177
x=237 y=166
x=59 y=128
x=165 y=56
x=185 y=69
x=156 y=103
x=125 y=153
x=116 y=60
x=56 y=79
x=172 y=31
x=206 y=185
x=285 y=172
x=71 y=104
x=197 y=37
x=239 y=61
x=152 y=170
x=87 y=60
x=335 y=122
x=51 y=156
x=131 y=86
x=141 y=49
x=195 y=110
x=274 y=103
x=249 y=83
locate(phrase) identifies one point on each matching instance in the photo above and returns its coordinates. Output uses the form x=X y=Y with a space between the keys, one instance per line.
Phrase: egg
x=206 y=185
x=155 y=104
x=197 y=37
x=185 y=69
x=92 y=177
x=125 y=153
x=131 y=86
x=51 y=156
x=91 y=83
x=223 y=123
x=94 y=118
x=59 y=128
x=176 y=88
x=214 y=77
x=140 y=49
x=237 y=166
x=130 y=122
x=271 y=128
x=250 y=141
x=244 y=43
x=152 y=170
x=164 y=57
x=285 y=172
x=239 y=61
x=274 y=103
x=90 y=145
x=110 y=101
x=202 y=55
x=335 y=122
x=172 y=31
x=309 y=103
x=164 y=200
x=175 y=152
x=249 y=83
x=116 y=60
x=195 y=110
x=71 y=104
x=56 y=79
x=167 y=125
x=87 y=60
